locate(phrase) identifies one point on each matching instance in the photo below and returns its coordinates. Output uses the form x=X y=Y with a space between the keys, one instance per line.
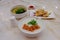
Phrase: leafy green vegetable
x=20 y=10
x=32 y=22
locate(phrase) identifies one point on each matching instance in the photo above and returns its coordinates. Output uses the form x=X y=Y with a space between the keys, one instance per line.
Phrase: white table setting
x=9 y=29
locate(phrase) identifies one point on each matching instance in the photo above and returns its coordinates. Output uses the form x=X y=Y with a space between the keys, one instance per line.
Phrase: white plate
x=52 y=15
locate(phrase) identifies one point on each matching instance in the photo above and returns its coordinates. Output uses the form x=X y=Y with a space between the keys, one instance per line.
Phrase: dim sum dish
x=31 y=26
x=42 y=13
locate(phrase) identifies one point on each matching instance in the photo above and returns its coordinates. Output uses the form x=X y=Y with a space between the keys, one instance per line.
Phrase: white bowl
x=19 y=15
x=28 y=33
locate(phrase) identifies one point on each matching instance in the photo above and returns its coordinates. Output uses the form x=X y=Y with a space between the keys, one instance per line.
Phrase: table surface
x=51 y=31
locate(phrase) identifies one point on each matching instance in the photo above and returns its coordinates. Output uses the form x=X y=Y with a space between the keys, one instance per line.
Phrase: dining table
x=52 y=28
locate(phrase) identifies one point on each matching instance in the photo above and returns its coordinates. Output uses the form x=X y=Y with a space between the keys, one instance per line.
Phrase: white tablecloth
x=51 y=31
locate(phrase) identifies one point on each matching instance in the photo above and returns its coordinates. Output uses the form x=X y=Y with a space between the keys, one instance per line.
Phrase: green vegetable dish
x=18 y=10
x=32 y=22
